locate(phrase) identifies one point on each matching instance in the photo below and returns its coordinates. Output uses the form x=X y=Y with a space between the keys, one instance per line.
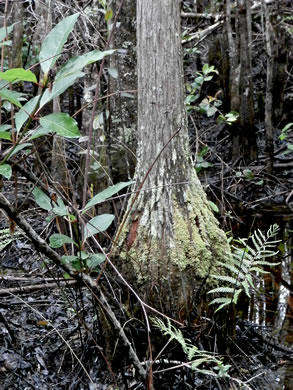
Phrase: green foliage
x=200 y=162
x=56 y=123
x=53 y=44
x=76 y=64
x=18 y=74
x=6 y=170
x=5 y=31
x=195 y=356
x=61 y=124
x=58 y=240
x=283 y=136
x=246 y=261
x=6 y=238
x=213 y=206
x=84 y=261
x=12 y=96
x=106 y=194
x=97 y=225
x=209 y=105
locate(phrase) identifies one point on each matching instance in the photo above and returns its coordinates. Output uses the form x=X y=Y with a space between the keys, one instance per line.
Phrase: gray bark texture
x=16 y=50
x=171 y=240
x=123 y=114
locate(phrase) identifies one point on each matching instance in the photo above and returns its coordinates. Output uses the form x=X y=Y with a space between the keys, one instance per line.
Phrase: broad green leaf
x=97 y=225
x=287 y=127
x=18 y=148
x=5 y=135
x=40 y=132
x=42 y=199
x=211 y=111
x=213 y=206
x=22 y=115
x=69 y=259
x=113 y=72
x=107 y=193
x=59 y=87
x=76 y=64
x=60 y=209
x=83 y=255
x=6 y=43
x=11 y=96
x=128 y=95
x=5 y=127
x=58 y=240
x=6 y=170
x=18 y=74
x=95 y=260
x=4 y=31
x=54 y=42
x=61 y=124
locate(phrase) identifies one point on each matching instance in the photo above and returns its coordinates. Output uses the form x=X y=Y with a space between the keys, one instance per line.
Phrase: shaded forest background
x=66 y=333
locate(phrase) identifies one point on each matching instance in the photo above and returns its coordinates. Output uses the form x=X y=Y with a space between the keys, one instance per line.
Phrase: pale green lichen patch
x=196 y=244
x=199 y=242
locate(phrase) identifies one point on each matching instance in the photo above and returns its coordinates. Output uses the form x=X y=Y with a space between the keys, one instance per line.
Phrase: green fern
x=246 y=260
x=6 y=238
x=195 y=356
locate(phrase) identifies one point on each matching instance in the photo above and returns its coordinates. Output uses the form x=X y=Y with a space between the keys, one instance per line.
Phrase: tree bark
x=269 y=148
x=122 y=123
x=16 y=50
x=171 y=239
x=240 y=91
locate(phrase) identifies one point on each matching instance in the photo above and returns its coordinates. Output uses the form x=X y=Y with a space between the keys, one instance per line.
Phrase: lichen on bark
x=171 y=240
x=169 y=269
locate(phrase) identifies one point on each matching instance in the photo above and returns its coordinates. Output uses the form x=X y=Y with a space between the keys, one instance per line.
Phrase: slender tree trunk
x=269 y=149
x=241 y=92
x=171 y=239
x=16 y=50
x=121 y=132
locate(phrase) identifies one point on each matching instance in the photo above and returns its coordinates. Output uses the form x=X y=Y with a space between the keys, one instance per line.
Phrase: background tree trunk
x=16 y=50
x=171 y=239
x=240 y=91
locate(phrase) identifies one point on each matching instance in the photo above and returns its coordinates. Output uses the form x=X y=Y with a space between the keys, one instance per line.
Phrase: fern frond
x=226 y=278
x=229 y=290
x=198 y=362
x=231 y=267
x=225 y=300
x=6 y=238
x=263 y=262
x=257 y=269
x=246 y=287
x=250 y=281
x=236 y=296
x=222 y=306
x=246 y=260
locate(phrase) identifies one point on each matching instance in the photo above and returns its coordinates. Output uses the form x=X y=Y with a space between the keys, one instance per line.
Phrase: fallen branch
x=200 y=35
x=42 y=247
x=201 y=15
x=33 y=287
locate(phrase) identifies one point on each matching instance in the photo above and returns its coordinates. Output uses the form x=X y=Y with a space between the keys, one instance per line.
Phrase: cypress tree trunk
x=171 y=239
